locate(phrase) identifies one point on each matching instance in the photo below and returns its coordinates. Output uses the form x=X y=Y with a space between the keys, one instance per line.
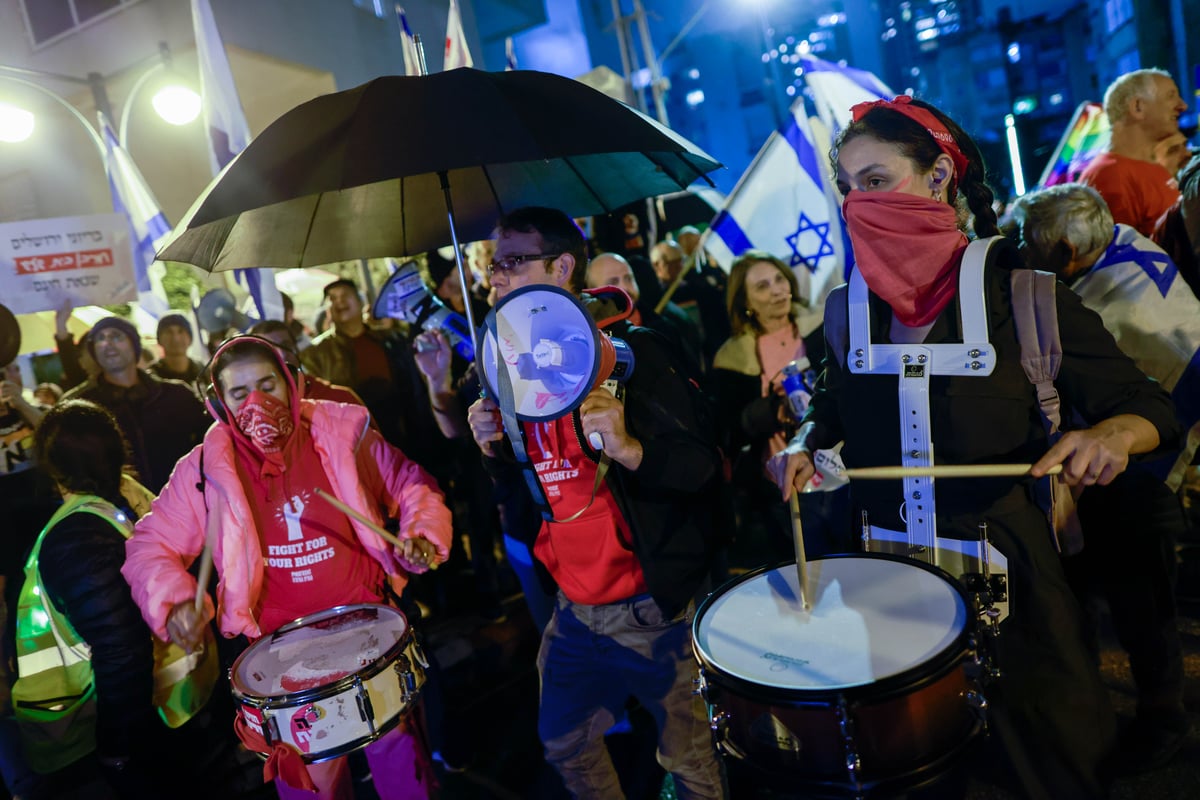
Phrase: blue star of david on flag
x=810 y=243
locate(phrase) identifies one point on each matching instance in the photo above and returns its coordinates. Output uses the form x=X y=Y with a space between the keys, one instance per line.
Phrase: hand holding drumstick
x=419 y=553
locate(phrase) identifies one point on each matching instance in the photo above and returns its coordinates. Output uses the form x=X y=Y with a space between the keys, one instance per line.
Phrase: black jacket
x=161 y=419
x=979 y=420
x=80 y=564
x=668 y=502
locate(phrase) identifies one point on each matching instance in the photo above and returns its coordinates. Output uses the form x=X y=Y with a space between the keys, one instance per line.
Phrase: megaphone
x=405 y=296
x=218 y=312
x=542 y=349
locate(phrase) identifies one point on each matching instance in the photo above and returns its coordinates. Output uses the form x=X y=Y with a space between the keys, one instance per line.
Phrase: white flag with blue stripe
x=786 y=202
x=408 y=44
x=133 y=198
x=228 y=135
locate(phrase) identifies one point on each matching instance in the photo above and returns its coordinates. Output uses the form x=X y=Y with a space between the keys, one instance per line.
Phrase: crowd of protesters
x=697 y=448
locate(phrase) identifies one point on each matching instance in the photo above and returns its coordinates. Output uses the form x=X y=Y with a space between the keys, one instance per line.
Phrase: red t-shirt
x=1137 y=192
x=312 y=558
x=589 y=557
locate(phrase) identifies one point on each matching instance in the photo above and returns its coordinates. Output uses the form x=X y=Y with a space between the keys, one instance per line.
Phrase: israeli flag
x=1151 y=311
x=787 y=202
x=133 y=198
x=228 y=135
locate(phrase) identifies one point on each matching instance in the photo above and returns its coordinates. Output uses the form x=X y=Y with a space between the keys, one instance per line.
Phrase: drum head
x=317 y=650
x=870 y=619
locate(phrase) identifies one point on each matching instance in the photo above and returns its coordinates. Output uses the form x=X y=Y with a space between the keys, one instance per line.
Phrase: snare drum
x=331 y=682
x=865 y=689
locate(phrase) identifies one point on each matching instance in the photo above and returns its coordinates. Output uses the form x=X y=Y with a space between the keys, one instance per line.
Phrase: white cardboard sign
x=84 y=260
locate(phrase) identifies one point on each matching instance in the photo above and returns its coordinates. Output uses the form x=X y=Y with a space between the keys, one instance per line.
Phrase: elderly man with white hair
x=1143 y=108
x=1130 y=525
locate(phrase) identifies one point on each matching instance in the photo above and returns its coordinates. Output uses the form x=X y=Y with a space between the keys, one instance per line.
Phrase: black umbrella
x=373 y=171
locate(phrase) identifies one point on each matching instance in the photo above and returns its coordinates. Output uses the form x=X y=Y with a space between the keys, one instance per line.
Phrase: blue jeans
x=591 y=660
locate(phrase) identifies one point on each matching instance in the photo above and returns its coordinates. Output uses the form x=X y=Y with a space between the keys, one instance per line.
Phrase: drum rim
x=365 y=673
x=901 y=683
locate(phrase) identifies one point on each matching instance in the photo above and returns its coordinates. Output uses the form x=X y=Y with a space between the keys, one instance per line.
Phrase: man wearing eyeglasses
x=629 y=554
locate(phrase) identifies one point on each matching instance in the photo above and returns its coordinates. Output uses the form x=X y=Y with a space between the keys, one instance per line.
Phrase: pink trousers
x=400 y=770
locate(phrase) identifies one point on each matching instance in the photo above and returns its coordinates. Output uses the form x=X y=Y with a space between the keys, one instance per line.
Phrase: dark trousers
x=1050 y=720
x=1130 y=528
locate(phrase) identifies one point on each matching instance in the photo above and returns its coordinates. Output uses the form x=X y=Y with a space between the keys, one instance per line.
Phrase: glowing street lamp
x=16 y=124
x=175 y=104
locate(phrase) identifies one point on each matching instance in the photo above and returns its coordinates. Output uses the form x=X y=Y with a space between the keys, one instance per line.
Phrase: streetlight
x=176 y=104
x=16 y=124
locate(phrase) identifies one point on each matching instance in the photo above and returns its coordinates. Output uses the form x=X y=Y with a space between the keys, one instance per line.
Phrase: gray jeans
x=591 y=660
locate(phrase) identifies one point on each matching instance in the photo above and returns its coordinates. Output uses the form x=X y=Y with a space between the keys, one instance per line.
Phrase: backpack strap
x=1035 y=314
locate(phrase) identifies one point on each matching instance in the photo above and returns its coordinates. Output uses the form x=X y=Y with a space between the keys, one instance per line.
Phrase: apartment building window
x=50 y=20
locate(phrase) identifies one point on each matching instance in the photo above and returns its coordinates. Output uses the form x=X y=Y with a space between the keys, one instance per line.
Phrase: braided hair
x=913 y=140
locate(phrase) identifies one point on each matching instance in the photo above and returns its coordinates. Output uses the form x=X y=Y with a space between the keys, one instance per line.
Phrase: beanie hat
x=178 y=320
x=123 y=326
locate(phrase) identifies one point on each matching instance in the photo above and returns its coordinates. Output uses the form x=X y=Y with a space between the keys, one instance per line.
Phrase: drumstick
x=204 y=573
x=798 y=543
x=386 y=535
x=947 y=471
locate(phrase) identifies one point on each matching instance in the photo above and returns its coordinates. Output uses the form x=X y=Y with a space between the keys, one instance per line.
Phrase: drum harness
x=978 y=564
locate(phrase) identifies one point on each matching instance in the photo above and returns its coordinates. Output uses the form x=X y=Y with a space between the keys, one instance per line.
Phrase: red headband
x=923 y=117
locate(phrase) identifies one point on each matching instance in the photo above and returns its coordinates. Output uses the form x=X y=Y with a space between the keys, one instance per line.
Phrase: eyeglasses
x=510 y=263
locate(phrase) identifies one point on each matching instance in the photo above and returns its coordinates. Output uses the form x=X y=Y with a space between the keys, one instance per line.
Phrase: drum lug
x=419 y=655
x=719 y=724
x=977 y=702
x=846 y=724
x=407 y=677
x=271 y=729
x=365 y=709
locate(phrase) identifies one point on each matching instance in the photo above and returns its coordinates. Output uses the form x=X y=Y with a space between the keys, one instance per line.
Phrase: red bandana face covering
x=908 y=250
x=266 y=420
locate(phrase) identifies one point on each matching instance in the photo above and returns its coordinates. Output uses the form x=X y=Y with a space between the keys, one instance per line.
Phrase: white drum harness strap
x=1035 y=317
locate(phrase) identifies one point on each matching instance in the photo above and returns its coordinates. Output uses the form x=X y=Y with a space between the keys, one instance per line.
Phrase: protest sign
x=82 y=260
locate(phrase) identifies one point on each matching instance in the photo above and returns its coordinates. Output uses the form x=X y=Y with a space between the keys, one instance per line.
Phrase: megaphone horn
x=218 y=313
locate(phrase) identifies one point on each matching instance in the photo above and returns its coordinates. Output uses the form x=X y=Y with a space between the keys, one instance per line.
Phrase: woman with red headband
x=911 y=177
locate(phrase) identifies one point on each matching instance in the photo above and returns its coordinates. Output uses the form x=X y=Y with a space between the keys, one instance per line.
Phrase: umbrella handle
x=444 y=178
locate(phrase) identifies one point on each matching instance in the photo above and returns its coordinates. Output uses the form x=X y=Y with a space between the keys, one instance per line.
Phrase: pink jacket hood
x=365 y=472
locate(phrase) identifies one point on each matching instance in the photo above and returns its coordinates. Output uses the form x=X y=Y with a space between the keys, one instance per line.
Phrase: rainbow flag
x=1085 y=138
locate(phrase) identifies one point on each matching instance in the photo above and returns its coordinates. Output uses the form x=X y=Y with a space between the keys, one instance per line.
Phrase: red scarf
x=266 y=420
x=908 y=249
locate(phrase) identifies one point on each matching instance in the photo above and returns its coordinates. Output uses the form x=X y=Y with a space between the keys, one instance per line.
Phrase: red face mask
x=266 y=420
x=908 y=249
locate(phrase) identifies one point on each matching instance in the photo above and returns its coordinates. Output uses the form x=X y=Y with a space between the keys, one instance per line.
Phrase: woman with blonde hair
x=763 y=301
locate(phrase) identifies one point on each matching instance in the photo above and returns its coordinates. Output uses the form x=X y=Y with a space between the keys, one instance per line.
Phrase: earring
x=937 y=194
x=749 y=312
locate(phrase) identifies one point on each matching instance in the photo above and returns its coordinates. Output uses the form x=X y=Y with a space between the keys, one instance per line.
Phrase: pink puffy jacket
x=365 y=472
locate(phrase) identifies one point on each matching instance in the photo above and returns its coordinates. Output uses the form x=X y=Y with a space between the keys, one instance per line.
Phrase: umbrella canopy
x=361 y=173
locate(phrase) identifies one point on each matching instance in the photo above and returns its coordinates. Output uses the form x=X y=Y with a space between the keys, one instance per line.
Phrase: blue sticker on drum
x=781 y=662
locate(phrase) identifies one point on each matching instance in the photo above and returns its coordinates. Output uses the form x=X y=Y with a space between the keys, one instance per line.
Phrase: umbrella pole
x=458 y=260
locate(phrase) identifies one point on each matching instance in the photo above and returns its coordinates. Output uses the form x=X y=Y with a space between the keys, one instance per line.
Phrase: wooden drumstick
x=384 y=534
x=798 y=543
x=946 y=471
x=204 y=573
